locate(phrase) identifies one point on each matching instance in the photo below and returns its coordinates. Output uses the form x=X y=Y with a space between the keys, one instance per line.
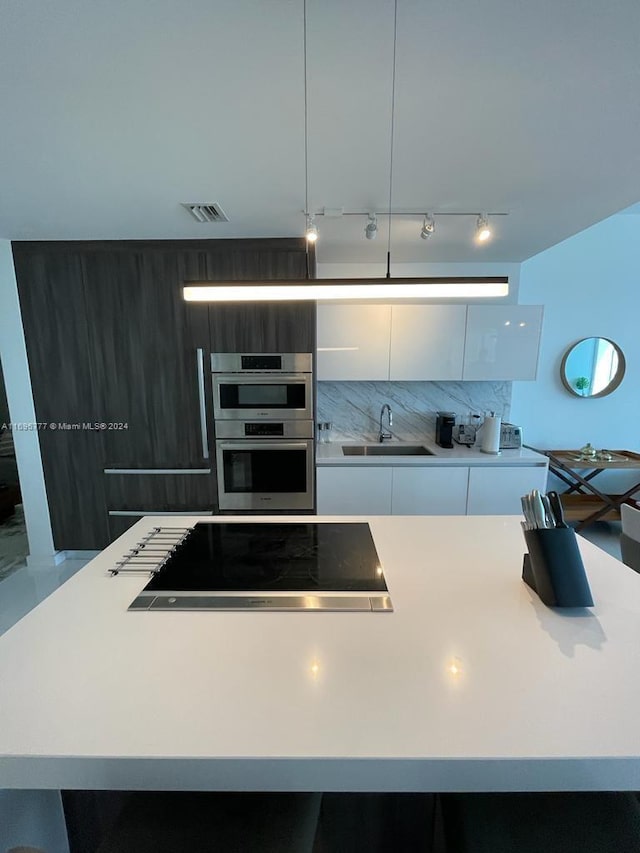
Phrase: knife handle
x=548 y=512
x=528 y=512
x=556 y=506
x=538 y=509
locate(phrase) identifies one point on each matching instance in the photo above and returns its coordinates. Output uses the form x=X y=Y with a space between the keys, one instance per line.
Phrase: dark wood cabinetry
x=145 y=361
x=258 y=327
x=263 y=328
x=111 y=341
x=58 y=348
x=130 y=496
x=161 y=492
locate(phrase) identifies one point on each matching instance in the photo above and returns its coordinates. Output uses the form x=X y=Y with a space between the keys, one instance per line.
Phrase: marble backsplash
x=354 y=407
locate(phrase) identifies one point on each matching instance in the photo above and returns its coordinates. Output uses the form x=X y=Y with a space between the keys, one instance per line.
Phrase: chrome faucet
x=384 y=434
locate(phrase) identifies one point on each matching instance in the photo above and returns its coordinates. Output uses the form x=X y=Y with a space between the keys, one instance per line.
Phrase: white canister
x=491 y=434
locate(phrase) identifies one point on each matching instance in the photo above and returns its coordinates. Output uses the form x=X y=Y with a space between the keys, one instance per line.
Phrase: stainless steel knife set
x=542 y=512
x=553 y=566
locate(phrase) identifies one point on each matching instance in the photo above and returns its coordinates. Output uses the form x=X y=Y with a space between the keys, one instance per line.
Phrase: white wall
x=13 y=355
x=590 y=286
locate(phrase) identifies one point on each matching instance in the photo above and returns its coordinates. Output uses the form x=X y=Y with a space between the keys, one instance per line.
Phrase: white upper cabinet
x=353 y=341
x=427 y=342
x=502 y=341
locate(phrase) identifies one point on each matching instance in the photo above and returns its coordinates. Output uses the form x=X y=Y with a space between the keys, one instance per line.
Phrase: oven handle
x=264 y=445
x=201 y=400
x=261 y=378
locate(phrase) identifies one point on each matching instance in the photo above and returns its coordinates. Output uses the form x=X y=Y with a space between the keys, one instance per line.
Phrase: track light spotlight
x=311 y=232
x=371 y=231
x=483 y=230
x=428 y=226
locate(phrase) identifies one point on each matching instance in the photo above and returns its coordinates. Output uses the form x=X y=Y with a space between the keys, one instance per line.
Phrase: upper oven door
x=282 y=396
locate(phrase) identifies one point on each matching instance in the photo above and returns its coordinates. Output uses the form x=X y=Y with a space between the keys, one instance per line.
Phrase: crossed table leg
x=580 y=484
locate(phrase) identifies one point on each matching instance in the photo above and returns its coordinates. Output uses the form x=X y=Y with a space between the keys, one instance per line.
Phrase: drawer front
x=429 y=491
x=354 y=490
x=496 y=490
x=161 y=492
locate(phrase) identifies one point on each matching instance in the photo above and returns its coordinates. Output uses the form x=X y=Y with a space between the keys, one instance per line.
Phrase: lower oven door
x=265 y=475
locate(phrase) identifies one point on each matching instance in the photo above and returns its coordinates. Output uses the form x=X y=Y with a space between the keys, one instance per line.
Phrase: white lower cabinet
x=497 y=490
x=429 y=491
x=354 y=491
x=426 y=490
x=387 y=490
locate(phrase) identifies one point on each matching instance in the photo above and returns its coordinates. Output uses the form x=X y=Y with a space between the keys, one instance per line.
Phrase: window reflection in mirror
x=593 y=367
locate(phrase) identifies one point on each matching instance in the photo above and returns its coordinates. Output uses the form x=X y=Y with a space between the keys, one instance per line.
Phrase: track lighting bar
x=483 y=231
x=333 y=214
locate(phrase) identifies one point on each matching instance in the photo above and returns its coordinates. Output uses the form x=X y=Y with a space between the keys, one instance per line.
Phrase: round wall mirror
x=592 y=367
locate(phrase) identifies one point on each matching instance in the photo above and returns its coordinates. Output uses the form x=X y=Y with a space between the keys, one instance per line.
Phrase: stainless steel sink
x=385 y=450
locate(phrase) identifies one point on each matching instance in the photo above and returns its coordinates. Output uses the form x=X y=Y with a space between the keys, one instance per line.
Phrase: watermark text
x=36 y=426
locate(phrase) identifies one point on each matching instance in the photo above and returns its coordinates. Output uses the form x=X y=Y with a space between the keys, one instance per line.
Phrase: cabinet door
x=429 y=491
x=427 y=341
x=260 y=326
x=496 y=490
x=50 y=283
x=144 y=355
x=502 y=341
x=354 y=491
x=162 y=492
x=353 y=342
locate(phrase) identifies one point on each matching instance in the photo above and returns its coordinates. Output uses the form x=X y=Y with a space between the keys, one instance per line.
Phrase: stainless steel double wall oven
x=263 y=412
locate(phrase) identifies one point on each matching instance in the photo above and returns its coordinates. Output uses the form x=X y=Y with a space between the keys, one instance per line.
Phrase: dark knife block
x=553 y=568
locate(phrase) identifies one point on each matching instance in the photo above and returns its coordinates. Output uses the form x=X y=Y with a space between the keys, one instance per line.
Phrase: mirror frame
x=615 y=382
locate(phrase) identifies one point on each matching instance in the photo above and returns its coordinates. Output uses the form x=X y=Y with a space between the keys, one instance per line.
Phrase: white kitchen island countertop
x=331 y=454
x=470 y=684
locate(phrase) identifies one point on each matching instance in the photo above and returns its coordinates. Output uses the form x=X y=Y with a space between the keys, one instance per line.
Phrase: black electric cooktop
x=270 y=566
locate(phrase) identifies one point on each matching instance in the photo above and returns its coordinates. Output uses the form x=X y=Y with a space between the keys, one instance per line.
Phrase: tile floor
x=13 y=543
x=606 y=535
x=28 y=586
x=22 y=586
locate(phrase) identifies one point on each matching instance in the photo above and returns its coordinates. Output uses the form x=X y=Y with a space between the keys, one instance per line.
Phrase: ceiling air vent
x=207 y=212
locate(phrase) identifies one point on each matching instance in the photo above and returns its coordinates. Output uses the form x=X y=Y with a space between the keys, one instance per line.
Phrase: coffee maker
x=445 y=422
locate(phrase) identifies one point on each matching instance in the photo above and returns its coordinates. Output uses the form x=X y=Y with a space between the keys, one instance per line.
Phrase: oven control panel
x=264 y=428
x=258 y=362
x=256 y=430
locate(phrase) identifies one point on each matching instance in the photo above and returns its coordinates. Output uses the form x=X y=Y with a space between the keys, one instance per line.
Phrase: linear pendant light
x=347 y=288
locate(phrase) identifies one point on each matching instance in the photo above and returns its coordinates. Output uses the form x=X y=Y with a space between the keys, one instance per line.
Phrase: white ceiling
x=114 y=113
